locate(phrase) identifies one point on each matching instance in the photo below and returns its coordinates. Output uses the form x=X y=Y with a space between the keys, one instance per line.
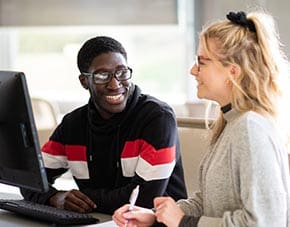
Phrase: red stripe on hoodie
x=73 y=152
x=148 y=152
x=76 y=153
x=54 y=148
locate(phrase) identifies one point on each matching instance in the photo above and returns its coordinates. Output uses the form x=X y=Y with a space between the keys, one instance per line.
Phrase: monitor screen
x=21 y=162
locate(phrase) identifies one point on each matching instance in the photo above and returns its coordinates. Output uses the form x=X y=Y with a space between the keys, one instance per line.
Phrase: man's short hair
x=96 y=46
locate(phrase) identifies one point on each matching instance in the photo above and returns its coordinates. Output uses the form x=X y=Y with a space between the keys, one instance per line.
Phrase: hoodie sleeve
x=43 y=197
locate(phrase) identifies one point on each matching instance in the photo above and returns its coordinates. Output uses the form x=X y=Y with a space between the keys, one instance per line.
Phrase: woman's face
x=212 y=77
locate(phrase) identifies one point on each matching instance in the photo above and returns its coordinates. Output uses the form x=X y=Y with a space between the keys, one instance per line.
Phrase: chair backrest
x=196 y=110
x=193 y=143
x=45 y=118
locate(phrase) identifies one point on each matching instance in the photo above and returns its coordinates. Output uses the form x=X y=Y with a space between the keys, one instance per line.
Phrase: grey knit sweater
x=244 y=178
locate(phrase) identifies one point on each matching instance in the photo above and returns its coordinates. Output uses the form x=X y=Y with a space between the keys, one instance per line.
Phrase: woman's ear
x=84 y=81
x=235 y=71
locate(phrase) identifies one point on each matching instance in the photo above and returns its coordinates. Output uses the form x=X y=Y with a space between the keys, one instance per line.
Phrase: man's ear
x=84 y=81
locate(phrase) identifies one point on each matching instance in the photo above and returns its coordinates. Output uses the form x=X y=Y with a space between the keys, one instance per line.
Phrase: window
x=158 y=44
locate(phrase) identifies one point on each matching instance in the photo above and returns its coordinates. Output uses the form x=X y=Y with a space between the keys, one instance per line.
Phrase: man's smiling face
x=109 y=98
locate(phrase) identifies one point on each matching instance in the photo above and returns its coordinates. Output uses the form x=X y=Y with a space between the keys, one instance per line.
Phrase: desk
x=10 y=219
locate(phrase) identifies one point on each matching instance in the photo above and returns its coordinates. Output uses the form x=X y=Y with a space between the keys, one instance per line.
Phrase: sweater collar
x=226 y=108
x=231 y=115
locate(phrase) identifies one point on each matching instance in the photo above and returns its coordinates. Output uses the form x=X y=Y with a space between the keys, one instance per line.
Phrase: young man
x=120 y=139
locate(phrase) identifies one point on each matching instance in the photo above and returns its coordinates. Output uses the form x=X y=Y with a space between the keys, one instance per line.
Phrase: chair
x=45 y=115
x=196 y=110
x=45 y=118
x=193 y=138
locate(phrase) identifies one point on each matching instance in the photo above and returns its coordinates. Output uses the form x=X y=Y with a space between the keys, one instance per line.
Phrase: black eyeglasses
x=105 y=77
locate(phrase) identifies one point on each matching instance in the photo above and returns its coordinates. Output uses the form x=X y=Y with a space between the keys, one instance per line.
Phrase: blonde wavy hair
x=261 y=61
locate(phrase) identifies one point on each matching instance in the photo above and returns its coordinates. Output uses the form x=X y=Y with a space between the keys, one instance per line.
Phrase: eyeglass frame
x=110 y=75
x=197 y=61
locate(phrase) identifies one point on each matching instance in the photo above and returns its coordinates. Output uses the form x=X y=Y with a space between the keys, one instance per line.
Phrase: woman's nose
x=194 y=70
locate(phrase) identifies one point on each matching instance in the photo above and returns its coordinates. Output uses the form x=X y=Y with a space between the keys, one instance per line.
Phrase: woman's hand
x=167 y=211
x=139 y=216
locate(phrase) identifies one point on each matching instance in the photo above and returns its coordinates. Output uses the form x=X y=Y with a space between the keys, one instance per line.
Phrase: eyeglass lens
x=105 y=77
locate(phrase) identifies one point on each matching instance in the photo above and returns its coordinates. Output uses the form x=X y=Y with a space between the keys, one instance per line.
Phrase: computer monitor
x=21 y=162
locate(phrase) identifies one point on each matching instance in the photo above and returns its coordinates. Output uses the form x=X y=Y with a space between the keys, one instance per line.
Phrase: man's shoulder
x=77 y=113
x=154 y=104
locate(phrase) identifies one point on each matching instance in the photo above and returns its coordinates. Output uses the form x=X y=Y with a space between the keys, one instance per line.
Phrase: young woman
x=244 y=177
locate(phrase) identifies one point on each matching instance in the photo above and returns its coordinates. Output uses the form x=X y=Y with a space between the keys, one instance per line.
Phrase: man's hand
x=72 y=200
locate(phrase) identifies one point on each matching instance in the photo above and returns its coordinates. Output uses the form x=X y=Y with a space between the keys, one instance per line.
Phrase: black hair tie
x=240 y=18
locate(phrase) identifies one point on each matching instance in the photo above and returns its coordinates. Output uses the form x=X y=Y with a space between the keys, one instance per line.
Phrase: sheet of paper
x=106 y=224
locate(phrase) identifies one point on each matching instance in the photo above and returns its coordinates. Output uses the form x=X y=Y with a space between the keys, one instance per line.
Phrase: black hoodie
x=108 y=158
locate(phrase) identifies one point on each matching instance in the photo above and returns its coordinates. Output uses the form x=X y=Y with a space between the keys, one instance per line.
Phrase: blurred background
x=42 y=38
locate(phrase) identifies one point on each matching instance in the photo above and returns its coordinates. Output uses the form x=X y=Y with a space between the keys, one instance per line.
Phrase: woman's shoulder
x=251 y=119
x=251 y=124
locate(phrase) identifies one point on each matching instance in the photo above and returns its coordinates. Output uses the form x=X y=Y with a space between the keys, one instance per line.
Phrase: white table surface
x=10 y=219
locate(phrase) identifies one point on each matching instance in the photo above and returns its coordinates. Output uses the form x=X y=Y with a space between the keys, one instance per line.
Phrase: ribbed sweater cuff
x=189 y=221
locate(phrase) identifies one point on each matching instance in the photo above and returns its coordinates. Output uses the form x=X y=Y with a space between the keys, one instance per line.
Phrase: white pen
x=133 y=197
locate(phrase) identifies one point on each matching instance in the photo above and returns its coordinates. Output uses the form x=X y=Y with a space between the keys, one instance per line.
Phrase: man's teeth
x=114 y=97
